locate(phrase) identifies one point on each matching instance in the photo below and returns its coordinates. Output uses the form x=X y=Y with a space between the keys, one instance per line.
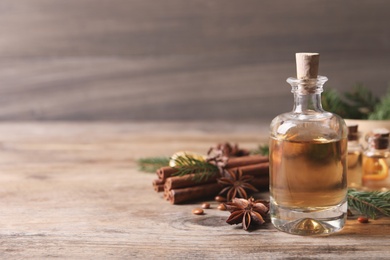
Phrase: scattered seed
x=362 y=219
x=222 y=206
x=205 y=205
x=220 y=199
x=197 y=211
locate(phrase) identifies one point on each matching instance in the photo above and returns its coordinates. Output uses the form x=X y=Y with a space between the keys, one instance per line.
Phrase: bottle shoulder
x=322 y=126
x=312 y=116
x=385 y=153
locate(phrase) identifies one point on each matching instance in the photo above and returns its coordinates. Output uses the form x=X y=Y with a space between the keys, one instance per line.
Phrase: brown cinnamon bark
x=165 y=172
x=158 y=181
x=177 y=182
x=246 y=160
x=177 y=196
x=257 y=170
x=158 y=187
x=167 y=194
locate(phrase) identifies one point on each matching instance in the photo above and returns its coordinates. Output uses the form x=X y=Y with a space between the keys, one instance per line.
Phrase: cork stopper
x=353 y=133
x=307 y=65
x=380 y=138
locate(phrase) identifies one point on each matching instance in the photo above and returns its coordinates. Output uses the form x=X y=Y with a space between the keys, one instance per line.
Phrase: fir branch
x=190 y=165
x=382 y=110
x=362 y=101
x=332 y=102
x=370 y=204
x=151 y=164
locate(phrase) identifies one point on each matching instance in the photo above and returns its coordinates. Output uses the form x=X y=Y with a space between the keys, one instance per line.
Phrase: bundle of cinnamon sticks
x=180 y=189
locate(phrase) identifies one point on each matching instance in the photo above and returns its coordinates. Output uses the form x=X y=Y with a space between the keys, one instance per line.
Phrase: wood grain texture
x=73 y=191
x=180 y=60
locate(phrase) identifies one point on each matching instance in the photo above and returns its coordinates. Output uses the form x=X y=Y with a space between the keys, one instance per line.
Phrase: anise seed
x=222 y=206
x=362 y=219
x=197 y=211
x=220 y=199
x=206 y=205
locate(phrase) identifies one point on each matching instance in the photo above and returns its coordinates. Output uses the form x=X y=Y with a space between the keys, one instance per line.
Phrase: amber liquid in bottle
x=354 y=159
x=308 y=174
x=354 y=172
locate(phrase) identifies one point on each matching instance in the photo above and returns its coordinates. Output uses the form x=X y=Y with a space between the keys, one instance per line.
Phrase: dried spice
x=362 y=220
x=236 y=184
x=247 y=212
x=221 y=206
x=205 y=205
x=228 y=150
x=197 y=211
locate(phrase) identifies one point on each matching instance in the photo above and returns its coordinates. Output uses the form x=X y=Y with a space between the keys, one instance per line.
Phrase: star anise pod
x=236 y=184
x=247 y=212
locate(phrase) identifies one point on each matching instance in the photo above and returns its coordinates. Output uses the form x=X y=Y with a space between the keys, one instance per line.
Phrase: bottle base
x=309 y=222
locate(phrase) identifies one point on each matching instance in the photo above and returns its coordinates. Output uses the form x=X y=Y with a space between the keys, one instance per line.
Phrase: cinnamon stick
x=257 y=170
x=167 y=194
x=158 y=187
x=246 y=160
x=176 y=182
x=158 y=181
x=165 y=172
x=177 y=196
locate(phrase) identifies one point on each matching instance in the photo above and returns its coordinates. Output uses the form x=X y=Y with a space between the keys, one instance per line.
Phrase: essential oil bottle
x=376 y=161
x=354 y=158
x=308 y=154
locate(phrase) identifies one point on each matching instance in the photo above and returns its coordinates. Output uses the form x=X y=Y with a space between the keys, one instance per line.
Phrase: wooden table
x=72 y=190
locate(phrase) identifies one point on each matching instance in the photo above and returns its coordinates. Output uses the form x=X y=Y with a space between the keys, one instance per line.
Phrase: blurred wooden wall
x=180 y=60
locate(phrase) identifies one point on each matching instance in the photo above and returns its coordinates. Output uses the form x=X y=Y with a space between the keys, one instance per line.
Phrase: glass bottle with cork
x=354 y=159
x=308 y=152
x=376 y=161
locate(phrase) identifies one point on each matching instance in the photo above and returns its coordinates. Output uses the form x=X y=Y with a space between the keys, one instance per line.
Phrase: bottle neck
x=307 y=103
x=307 y=94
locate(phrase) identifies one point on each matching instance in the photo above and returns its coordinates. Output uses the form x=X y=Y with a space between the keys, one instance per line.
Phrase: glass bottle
x=376 y=161
x=354 y=158
x=308 y=152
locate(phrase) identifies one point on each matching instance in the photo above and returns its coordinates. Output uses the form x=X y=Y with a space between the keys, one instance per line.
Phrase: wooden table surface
x=72 y=190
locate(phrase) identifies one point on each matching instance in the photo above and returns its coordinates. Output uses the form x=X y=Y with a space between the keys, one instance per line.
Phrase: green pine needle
x=332 y=102
x=151 y=164
x=382 y=110
x=189 y=165
x=362 y=100
x=360 y=103
x=370 y=204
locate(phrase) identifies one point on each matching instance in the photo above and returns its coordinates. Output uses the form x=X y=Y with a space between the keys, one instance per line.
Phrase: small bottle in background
x=376 y=161
x=354 y=158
